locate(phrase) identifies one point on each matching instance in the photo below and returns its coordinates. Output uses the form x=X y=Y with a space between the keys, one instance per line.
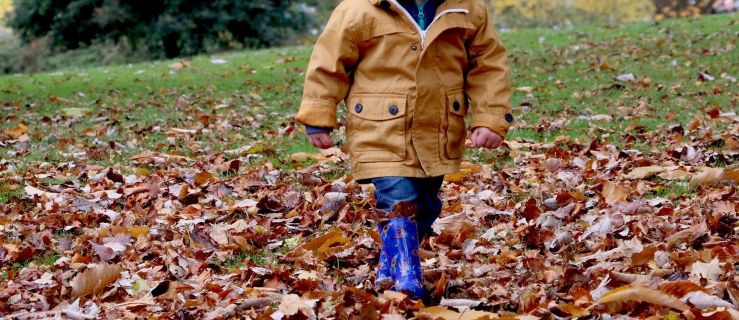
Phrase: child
x=409 y=71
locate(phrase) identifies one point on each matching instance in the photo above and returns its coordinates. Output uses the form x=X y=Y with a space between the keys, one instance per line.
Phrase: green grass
x=672 y=190
x=243 y=258
x=6 y=193
x=48 y=259
x=257 y=92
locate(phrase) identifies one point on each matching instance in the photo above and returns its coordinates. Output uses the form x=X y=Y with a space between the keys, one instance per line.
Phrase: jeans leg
x=389 y=191
x=429 y=204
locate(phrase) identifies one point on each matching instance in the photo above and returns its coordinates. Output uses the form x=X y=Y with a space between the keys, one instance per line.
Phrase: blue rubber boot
x=384 y=278
x=400 y=243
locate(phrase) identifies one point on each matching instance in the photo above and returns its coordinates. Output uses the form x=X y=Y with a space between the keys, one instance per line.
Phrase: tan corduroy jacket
x=407 y=91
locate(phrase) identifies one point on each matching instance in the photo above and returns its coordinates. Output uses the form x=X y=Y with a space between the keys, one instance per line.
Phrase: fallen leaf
x=708 y=177
x=293 y=304
x=645 y=172
x=94 y=280
x=443 y=313
x=17 y=131
x=304 y=156
x=703 y=301
x=710 y=271
x=643 y=294
x=179 y=65
x=203 y=178
x=614 y=193
x=76 y=112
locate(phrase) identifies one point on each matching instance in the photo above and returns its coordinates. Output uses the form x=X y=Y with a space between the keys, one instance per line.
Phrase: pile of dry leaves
x=565 y=229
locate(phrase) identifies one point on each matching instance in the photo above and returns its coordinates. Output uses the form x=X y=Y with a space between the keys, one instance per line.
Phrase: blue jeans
x=422 y=192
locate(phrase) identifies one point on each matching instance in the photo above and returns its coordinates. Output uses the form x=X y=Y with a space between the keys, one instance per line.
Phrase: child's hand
x=485 y=138
x=321 y=140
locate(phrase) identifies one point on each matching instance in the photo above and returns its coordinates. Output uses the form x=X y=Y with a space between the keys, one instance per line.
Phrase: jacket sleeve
x=488 y=82
x=327 y=76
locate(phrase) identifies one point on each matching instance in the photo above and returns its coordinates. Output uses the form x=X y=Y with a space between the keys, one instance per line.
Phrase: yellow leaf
x=76 y=112
x=643 y=294
x=17 y=131
x=94 y=280
x=327 y=244
x=457 y=176
x=142 y=172
x=304 y=156
x=204 y=178
x=137 y=231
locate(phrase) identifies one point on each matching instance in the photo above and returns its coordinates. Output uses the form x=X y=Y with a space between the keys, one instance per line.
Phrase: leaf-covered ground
x=181 y=190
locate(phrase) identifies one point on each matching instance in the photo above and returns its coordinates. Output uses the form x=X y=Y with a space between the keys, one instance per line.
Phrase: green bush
x=168 y=28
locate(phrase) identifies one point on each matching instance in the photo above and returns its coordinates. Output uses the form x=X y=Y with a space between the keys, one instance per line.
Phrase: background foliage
x=164 y=29
x=5 y=7
x=548 y=13
x=52 y=34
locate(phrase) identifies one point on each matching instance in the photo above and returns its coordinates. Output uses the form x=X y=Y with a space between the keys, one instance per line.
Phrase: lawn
x=189 y=190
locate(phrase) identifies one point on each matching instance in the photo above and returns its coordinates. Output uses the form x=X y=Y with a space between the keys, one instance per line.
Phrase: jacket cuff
x=498 y=123
x=314 y=130
x=317 y=113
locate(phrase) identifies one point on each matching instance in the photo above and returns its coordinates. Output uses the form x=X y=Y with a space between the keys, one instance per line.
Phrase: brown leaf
x=643 y=257
x=531 y=211
x=179 y=65
x=643 y=294
x=614 y=193
x=94 y=280
x=113 y=176
x=687 y=235
x=708 y=177
x=201 y=237
x=680 y=288
x=105 y=253
x=292 y=304
x=645 y=172
x=443 y=313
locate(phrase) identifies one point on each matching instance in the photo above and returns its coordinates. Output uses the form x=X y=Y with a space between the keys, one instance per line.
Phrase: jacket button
x=456 y=106
x=509 y=117
x=393 y=110
x=358 y=108
x=414 y=47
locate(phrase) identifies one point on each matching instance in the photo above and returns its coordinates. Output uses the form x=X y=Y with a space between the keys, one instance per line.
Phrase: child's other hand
x=321 y=140
x=485 y=138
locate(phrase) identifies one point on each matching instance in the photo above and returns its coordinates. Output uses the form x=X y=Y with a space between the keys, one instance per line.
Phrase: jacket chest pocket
x=455 y=128
x=376 y=129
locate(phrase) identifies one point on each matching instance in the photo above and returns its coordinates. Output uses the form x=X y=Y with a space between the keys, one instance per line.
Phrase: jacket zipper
x=421 y=31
